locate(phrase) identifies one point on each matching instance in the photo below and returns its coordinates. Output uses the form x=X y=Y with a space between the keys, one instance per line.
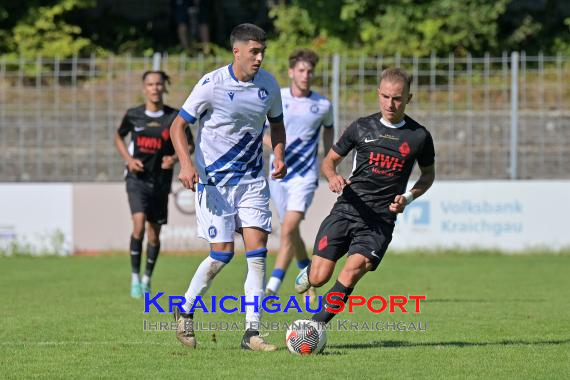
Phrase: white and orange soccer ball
x=305 y=337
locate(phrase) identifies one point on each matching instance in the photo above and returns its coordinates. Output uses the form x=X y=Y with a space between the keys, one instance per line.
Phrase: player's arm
x=328 y=130
x=267 y=137
x=426 y=160
x=337 y=152
x=278 y=139
x=168 y=162
x=328 y=136
x=427 y=177
x=197 y=102
x=188 y=174
x=328 y=167
x=133 y=164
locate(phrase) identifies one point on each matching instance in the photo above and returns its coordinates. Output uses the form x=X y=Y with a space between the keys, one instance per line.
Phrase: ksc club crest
x=262 y=93
x=314 y=108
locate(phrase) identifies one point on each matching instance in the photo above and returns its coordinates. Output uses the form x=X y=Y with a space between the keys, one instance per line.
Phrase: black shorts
x=148 y=198
x=180 y=10
x=339 y=235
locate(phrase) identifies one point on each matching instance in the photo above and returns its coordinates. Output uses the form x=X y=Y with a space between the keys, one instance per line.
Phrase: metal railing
x=491 y=117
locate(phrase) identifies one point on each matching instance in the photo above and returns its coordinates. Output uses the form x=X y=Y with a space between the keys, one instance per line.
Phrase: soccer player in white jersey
x=232 y=104
x=305 y=111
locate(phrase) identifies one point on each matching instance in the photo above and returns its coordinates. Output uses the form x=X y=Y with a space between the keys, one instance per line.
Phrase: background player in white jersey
x=232 y=194
x=304 y=111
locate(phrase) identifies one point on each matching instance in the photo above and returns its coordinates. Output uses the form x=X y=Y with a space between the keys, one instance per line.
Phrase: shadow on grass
x=401 y=343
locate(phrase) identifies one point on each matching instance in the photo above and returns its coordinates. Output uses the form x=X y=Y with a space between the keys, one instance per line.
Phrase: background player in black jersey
x=386 y=145
x=150 y=159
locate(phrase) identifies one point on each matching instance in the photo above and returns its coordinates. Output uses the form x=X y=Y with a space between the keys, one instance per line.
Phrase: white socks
x=202 y=279
x=275 y=281
x=254 y=283
x=254 y=286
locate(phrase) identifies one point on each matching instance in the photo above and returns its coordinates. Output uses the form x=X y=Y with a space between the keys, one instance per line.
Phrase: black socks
x=325 y=316
x=151 y=257
x=136 y=248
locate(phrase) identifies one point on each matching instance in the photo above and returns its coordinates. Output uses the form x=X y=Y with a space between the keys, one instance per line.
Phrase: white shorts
x=293 y=195
x=223 y=210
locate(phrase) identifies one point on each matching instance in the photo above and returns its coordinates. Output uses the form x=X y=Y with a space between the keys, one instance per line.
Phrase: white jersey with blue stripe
x=231 y=117
x=303 y=118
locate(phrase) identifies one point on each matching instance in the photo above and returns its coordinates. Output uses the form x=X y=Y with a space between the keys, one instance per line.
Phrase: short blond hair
x=396 y=74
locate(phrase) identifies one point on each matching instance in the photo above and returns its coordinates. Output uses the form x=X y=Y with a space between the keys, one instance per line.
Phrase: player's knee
x=138 y=232
x=318 y=278
x=153 y=240
x=290 y=228
x=288 y=232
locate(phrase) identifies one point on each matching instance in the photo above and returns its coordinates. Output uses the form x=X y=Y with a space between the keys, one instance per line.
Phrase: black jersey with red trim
x=150 y=139
x=383 y=161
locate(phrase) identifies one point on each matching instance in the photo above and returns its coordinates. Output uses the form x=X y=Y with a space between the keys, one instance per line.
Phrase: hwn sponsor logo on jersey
x=146 y=143
x=385 y=164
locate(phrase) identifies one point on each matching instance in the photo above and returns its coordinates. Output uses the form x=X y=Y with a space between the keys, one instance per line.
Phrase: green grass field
x=487 y=316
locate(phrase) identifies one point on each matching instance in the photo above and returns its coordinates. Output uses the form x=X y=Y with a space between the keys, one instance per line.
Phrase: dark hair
x=164 y=76
x=247 y=32
x=303 y=55
x=395 y=74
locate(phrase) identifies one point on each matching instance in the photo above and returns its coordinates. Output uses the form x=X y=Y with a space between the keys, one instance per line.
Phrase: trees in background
x=32 y=28
x=373 y=27
x=425 y=26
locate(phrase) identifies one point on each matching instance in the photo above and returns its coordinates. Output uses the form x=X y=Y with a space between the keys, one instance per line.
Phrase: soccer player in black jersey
x=386 y=145
x=150 y=159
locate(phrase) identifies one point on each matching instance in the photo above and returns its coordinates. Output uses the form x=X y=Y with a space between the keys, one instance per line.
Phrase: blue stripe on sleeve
x=186 y=116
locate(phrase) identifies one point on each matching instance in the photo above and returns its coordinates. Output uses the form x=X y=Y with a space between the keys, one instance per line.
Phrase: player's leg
x=137 y=203
x=369 y=244
x=254 y=222
x=221 y=254
x=215 y=218
x=303 y=261
x=331 y=243
x=135 y=249
x=279 y=196
x=300 y=199
x=255 y=241
x=152 y=251
x=157 y=215
x=355 y=267
x=299 y=195
x=288 y=246
x=316 y=274
x=300 y=249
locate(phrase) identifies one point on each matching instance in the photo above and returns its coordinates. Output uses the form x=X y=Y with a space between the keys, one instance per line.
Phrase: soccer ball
x=305 y=337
